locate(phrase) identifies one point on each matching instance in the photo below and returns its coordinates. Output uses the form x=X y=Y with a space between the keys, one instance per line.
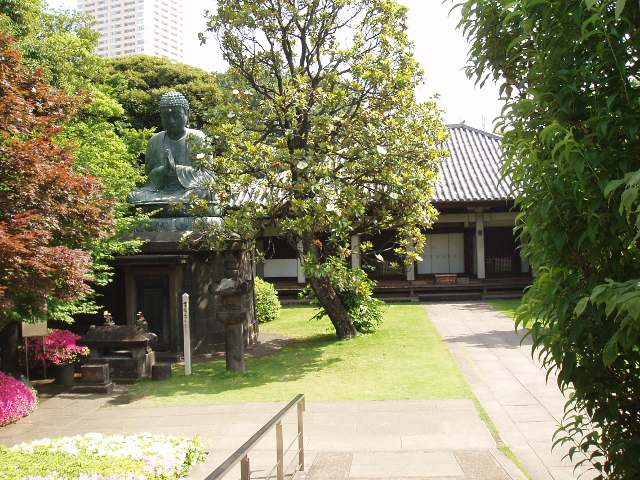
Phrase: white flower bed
x=165 y=457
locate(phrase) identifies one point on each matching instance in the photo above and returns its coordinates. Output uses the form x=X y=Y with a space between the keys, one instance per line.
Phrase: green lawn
x=405 y=359
x=508 y=307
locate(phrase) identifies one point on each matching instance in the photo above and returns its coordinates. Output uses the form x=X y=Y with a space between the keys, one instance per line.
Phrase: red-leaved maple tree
x=48 y=213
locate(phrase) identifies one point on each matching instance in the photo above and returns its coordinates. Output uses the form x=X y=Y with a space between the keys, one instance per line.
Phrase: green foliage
x=140 y=81
x=61 y=44
x=355 y=291
x=570 y=73
x=267 y=302
x=319 y=135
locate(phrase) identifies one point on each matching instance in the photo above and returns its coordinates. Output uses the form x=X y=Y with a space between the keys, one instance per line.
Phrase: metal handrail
x=242 y=454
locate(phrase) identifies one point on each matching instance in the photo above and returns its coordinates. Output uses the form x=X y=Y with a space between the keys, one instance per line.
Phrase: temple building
x=471 y=250
x=151 y=27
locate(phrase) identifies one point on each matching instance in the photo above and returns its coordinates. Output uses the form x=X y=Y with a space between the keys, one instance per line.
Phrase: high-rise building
x=152 y=27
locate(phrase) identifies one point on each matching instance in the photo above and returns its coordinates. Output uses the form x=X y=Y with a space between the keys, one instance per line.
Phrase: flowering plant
x=108 y=318
x=140 y=320
x=59 y=347
x=157 y=456
x=16 y=399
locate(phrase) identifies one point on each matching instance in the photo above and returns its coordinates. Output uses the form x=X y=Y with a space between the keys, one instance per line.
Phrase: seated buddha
x=172 y=173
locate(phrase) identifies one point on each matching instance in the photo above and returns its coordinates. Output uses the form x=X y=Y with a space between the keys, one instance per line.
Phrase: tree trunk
x=9 y=338
x=328 y=298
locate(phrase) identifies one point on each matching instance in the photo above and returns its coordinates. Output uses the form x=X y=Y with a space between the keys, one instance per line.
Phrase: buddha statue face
x=174 y=120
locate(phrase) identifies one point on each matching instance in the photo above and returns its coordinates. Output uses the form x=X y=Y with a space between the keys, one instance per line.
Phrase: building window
x=113 y=40
x=115 y=19
x=103 y=8
x=130 y=9
x=90 y=11
x=102 y=49
x=100 y=15
x=130 y=51
x=128 y=24
x=140 y=42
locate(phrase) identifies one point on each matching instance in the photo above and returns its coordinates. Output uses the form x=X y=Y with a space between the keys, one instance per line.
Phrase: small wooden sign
x=34 y=329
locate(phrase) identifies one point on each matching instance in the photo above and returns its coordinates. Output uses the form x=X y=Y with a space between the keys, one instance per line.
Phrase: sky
x=439 y=47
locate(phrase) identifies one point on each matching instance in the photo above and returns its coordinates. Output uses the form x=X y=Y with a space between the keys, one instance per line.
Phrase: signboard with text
x=34 y=329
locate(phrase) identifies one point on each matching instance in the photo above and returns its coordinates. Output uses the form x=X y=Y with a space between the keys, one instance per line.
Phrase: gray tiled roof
x=472 y=172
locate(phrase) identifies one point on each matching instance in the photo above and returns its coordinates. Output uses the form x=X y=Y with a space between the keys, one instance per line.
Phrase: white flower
x=379 y=257
x=381 y=150
x=330 y=207
x=302 y=165
x=236 y=91
x=248 y=92
x=288 y=132
x=200 y=156
x=231 y=115
x=393 y=195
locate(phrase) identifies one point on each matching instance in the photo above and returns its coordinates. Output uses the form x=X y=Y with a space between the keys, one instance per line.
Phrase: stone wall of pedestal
x=159 y=275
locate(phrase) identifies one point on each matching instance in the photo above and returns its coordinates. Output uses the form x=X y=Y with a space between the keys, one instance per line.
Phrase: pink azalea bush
x=16 y=399
x=59 y=347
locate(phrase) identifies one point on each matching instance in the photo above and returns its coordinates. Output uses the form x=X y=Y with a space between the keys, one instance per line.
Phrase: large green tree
x=59 y=45
x=140 y=80
x=320 y=136
x=569 y=71
x=48 y=213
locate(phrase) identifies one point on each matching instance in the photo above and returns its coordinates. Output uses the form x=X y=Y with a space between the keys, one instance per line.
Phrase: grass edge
x=484 y=416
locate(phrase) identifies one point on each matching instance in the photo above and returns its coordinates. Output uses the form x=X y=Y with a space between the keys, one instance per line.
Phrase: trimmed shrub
x=16 y=400
x=267 y=302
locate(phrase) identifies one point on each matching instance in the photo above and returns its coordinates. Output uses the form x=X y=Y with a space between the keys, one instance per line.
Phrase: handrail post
x=301 y=407
x=279 y=451
x=245 y=470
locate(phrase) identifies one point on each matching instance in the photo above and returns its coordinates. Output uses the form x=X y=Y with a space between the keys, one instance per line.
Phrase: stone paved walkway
x=509 y=383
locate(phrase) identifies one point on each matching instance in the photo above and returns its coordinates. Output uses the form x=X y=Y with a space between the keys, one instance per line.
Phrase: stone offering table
x=125 y=348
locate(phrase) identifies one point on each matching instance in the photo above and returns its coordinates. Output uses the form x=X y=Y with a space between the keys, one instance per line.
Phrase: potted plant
x=60 y=351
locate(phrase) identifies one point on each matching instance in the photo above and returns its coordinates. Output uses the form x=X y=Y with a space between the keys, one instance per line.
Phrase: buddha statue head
x=174 y=112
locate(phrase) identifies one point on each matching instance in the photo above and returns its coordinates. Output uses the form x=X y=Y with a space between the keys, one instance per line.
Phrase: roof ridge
x=478 y=130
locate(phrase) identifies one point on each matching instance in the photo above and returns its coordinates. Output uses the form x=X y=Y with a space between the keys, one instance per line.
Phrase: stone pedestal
x=63 y=374
x=124 y=348
x=95 y=379
x=161 y=371
x=153 y=282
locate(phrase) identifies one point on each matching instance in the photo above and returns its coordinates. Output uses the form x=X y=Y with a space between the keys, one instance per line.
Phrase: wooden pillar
x=301 y=277
x=356 y=260
x=411 y=273
x=480 y=244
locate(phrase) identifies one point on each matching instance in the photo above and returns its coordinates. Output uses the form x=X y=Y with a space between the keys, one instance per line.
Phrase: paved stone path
x=394 y=440
x=510 y=384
